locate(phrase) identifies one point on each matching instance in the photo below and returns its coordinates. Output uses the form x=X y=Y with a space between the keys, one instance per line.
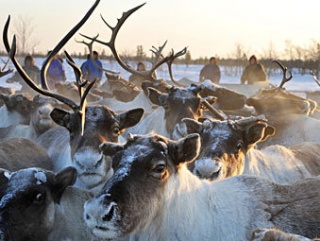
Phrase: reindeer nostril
x=198 y=173
x=109 y=215
x=88 y=217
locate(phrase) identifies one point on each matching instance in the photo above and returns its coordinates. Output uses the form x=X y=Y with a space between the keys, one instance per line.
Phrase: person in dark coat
x=32 y=71
x=254 y=72
x=210 y=71
x=135 y=79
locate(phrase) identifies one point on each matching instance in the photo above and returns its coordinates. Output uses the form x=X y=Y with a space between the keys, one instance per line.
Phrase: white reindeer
x=152 y=195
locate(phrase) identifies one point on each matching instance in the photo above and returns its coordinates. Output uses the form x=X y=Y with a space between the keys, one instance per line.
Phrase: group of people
x=254 y=72
x=92 y=70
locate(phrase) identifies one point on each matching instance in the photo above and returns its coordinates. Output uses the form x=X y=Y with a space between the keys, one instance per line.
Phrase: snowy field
x=191 y=72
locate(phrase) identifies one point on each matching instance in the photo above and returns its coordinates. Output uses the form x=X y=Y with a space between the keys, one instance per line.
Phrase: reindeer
x=37 y=204
x=288 y=113
x=16 y=109
x=153 y=194
x=40 y=120
x=88 y=126
x=228 y=149
x=18 y=153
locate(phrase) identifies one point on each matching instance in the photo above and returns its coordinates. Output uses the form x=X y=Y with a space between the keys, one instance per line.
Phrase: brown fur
x=306 y=152
x=275 y=235
x=17 y=153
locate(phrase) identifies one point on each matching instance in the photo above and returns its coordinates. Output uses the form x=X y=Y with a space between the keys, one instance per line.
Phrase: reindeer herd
x=165 y=162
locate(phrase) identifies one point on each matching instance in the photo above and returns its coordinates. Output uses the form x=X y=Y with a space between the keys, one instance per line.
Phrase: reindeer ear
x=258 y=132
x=109 y=149
x=63 y=179
x=130 y=118
x=157 y=97
x=192 y=125
x=185 y=149
x=4 y=176
x=60 y=117
x=269 y=131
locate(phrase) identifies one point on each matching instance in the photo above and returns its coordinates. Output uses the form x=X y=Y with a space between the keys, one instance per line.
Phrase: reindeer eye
x=159 y=168
x=39 y=198
x=239 y=145
x=116 y=131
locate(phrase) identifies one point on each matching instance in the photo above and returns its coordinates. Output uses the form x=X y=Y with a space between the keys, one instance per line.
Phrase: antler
x=171 y=58
x=148 y=75
x=251 y=119
x=218 y=113
x=28 y=80
x=44 y=91
x=157 y=52
x=284 y=69
x=2 y=72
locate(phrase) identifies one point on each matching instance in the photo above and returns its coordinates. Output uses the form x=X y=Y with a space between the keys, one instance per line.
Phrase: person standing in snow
x=254 y=72
x=92 y=69
x=210 y=71
x=56 y=72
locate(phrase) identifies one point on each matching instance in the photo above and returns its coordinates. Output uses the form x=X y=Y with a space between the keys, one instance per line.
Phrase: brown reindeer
x=288 y=113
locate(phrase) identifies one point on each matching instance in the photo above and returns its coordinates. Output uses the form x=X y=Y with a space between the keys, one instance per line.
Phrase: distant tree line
x=305 y=59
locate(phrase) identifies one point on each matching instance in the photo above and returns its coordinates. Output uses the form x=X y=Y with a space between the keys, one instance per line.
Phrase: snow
x=7 y=175
x=41 y=177
x=191 y=72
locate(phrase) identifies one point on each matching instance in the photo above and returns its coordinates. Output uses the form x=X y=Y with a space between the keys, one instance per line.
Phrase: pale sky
x=206 y=27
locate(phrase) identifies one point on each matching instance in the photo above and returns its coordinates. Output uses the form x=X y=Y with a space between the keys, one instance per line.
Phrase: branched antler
x=172 y=57
x=148 y=75
x=44 y=91
x=2 y=72
x=284 y=69
x=62 y=43
x=157 y=52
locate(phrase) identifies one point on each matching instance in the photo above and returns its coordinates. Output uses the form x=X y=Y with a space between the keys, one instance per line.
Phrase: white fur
x=207 y=166
x=151 y=123
x=91 y=169
x=97 y=210
x=140 y=101
x=40 y=121
x=196 y=210
x=276 y=163
x=297 y=129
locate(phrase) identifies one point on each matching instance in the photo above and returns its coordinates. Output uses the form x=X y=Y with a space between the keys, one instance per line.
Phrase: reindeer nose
x=109 y=207
x=108 y=216
x=44 y=110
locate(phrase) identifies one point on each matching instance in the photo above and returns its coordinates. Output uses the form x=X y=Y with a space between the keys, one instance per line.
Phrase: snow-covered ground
x=191 y=72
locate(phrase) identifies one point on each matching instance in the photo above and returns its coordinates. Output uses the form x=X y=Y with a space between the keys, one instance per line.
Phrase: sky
x=206 y=27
